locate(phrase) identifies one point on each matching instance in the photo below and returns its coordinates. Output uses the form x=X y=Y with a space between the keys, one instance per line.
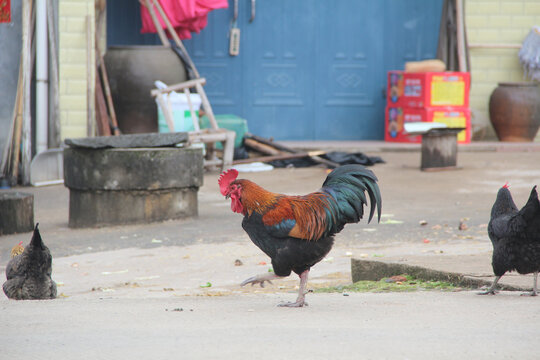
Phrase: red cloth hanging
x=5 y=11
x=186 y=16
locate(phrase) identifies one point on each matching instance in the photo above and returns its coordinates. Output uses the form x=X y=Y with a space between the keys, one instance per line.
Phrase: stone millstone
x=16 y=212
x=99 y=208
x=130 y=141
x=133 y=169
x=120 y=186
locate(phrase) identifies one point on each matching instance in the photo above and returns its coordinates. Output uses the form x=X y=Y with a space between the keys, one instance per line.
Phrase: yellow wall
x=492 y=22
x=72 y=20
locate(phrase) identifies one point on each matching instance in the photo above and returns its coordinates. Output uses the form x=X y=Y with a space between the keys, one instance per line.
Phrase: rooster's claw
x=257 y=279
x=488 y=292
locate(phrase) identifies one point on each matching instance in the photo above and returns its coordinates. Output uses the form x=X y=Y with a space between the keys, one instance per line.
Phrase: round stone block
x=133 y=168
x=16 y=212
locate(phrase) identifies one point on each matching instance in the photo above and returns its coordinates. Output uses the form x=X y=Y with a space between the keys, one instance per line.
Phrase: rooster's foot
x=532 y=293
x=293 y=304
x=259 y=279
x=488 y=292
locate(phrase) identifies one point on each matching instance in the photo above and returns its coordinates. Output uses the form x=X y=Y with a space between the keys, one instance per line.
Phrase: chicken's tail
x=347 y=186
x=36 y=238
x=531 y=210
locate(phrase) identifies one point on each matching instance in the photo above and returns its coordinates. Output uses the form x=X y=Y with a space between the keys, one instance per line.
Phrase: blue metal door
x=312 y=69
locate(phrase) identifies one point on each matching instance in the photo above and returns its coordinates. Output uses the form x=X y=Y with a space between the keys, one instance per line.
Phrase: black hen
x=515 y=235
x=29 y=273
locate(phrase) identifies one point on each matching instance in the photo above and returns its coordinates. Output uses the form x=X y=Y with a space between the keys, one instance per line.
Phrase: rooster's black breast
x=287 y=253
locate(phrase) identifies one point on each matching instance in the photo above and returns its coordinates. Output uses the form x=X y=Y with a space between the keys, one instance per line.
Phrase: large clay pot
x=132 y=72
x=514 y=111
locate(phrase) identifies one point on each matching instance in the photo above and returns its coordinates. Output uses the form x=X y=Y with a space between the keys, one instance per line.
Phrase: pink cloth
x=186 y=16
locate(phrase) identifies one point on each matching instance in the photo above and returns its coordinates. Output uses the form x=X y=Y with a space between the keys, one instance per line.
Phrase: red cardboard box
x=429 y=89
x=396 y=117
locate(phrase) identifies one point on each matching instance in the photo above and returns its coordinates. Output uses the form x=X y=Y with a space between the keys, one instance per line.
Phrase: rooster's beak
x=227 y=196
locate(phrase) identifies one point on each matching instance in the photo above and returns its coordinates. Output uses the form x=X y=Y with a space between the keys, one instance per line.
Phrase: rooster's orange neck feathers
x=255 y=198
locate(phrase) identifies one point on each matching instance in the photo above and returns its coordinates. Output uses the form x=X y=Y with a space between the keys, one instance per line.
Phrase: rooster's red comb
x=225 y=179
x=506 y=186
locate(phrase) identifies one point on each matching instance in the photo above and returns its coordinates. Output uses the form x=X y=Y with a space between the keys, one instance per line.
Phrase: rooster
x=297 y=232
x=29 y=273
x=515 y=235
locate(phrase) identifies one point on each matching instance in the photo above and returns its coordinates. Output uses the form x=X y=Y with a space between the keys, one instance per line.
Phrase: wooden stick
x=287 y=149
x=206 y=106
x=494 y=46
x=54 y=114
x=279 y=157
x=460 y=34
x=262 y=148
x=269 y=143
x=8 y=148
x=90 y=128
x=180 y=86
x=18 y=127
x=27 y=19
x=102 y=117
x=194 y=117
x=167 y=113
x=156 y=22
x=175 y=37
x=107 y=91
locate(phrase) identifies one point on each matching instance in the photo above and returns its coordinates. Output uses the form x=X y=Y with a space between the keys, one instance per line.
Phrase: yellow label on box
x=444 y=92
x=452 y=122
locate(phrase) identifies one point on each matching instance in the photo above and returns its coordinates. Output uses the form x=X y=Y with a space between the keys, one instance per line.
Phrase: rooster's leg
x=534 y=291
x=491 y=290
x=300 y=300
x=260 y=279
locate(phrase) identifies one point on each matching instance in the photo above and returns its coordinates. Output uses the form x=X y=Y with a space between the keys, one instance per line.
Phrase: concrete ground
x=171 y=289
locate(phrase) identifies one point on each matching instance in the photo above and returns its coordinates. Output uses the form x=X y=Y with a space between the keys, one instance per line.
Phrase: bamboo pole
x=18 y=127
x=175 y=37
x=279 y=157
x=460 y=30
x=90 y=126
x=107 y=91
x=494 y=46
x=315 y=158
x=156 y=22
x=180 y=86
x=54 y=118
x=262 y=148
x=194 y=117
x=27 y=79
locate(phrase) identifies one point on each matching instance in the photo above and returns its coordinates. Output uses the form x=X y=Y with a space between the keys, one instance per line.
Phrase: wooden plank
x=180 y=86
x=315 y=158
x=206 y=106
x=107 y=88
x=156 y=22
x=102 y=117
x=169 y=118
x=262 y=148
x=175 y=37
x=90 y=63
x=279 y=157
x=54 y=112
x=27 y=20
x=269 y=143
x=194 y=117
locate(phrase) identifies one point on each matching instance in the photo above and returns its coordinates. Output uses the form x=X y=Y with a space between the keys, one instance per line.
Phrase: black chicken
x=515 y=235
x=29 y=273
